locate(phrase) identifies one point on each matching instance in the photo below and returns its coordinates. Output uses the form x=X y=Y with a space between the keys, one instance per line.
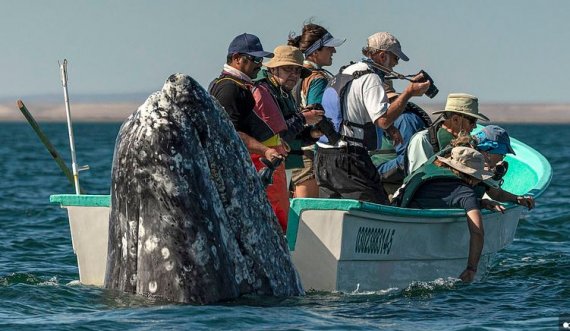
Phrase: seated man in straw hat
x=450 y=183
x=459 y=117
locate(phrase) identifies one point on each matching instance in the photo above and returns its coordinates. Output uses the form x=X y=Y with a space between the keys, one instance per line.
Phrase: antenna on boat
x=75 y=169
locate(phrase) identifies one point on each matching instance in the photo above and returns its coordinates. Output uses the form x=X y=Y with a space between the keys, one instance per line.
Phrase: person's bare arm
x=476 y=241
x=492 y=205
x=254 y=146
x=504 y=196
x=397 y=106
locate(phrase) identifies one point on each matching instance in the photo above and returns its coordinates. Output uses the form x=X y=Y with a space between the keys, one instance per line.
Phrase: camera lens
x=432 y=91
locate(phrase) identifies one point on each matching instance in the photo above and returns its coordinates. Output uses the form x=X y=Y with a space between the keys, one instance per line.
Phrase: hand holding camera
x=313 y=114
x=324 y=126
x=418 y=85
x=423 y=76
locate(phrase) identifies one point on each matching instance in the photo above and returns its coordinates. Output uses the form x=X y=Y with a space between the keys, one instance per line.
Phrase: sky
x=515 y=51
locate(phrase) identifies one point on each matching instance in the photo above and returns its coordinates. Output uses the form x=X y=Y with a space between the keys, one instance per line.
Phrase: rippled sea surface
x=528 y=288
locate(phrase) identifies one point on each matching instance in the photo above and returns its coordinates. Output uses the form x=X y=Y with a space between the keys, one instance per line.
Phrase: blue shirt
x=408 y=124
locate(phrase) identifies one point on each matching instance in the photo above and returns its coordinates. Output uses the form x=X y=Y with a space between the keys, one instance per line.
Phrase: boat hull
x=89 y=235
x=347 y=245
x=355 y=249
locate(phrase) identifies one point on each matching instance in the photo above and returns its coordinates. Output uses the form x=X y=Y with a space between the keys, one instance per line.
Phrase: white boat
x=347 y=245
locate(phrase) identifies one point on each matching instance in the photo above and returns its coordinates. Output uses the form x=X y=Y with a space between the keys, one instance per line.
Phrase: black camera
x=500 y=171
x=326 y=126
x=432 y=91
x=266 y=174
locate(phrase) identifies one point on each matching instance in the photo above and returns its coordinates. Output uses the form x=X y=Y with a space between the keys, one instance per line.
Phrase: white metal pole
x=75 y=169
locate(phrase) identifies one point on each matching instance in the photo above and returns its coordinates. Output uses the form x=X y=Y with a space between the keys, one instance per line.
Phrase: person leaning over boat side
x=459 y=117
x=257 y=125
x=494 y=143
x=355 y=102
x=318 y=46
x=447 y=183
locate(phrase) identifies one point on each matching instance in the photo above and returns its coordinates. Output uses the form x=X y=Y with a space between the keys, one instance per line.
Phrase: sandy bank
x=119 y=111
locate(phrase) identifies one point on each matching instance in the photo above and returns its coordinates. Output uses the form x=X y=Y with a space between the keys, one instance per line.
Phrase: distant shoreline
x=118 y=111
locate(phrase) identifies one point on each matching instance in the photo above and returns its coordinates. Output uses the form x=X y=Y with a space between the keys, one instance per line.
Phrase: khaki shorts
x=307 y=172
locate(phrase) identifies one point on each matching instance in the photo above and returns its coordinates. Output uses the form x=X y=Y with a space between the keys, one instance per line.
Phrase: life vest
x=424 y=174
x=267 y=108
x=333 y=103
x=268 y=121
x=288 y=108
x=432 y=134
x=301 y=89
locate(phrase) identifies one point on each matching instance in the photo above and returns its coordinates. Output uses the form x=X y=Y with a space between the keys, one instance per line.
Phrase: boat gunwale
x=540 y=165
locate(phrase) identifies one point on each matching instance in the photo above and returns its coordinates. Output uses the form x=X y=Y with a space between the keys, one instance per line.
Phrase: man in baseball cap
x=233 y=89
x=248 y=44
x=343 y=167
x=384 y=41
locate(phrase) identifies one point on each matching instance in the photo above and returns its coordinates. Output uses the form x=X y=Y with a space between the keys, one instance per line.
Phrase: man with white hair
x=356 y=101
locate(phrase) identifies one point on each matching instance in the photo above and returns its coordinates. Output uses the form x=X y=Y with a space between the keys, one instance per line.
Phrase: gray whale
x=190 y=221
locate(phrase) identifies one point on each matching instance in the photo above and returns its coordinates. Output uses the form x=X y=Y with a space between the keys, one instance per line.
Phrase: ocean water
x=527 y=289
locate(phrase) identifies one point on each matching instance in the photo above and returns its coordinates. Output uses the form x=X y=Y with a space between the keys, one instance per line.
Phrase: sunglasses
x=471 y=120
x=254 y=59
x=290 y=70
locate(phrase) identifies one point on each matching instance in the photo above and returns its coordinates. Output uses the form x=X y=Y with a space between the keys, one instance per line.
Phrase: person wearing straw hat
x=448 y=183
x=283 y=72
x=273 y=90
x=460 y=116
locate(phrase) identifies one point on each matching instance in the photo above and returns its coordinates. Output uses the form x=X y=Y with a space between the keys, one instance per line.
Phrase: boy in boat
x=494 y=143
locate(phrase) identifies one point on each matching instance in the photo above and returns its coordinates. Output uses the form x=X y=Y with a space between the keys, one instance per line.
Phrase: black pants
x=348 y=173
